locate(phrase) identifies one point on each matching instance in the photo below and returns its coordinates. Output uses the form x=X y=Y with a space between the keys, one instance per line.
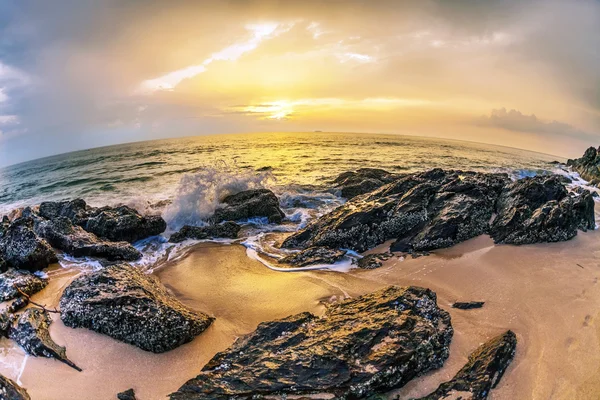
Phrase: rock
x=314 y=255
x=483 y=371
x=122 y=302
x=22 y=249
x=587 y=166
x=372 y=261
x=361 y=346
x=540 y=209
x=226 y=229
x=364 y=180
x=31 y=333
x=250 y=204
x=6 y=322
x=129 y=394
x=468 y=305
x=75 y=210
x=18 y=304
x=27 y=282
x=426 y=210
x=9 y=390
x=62 y=234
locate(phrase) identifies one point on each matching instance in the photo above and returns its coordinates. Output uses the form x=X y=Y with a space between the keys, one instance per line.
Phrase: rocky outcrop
x=226 y=229
x=75 y=210
x=25 y=281
x=354 y=183
x=129 y=394
x=122 y=302
x=540 y=209
x=422 y=211
x=62 y=234
x=9 y=390
x=587 y=166
x=250 y=204
x=361 y=346
x=31 y=333
x=372 y=261
x=468 y=305
x=482 y=373
x=21 y=248
x=314 y=255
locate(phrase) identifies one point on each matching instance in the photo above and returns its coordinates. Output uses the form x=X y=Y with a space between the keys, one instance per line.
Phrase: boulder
x=31 y=333
x=250 y=204
x=588 y=166
x=129 y=394
x=122 y=302
x=18 y=304
x=483 y=371
x=21 y=248
x=361 y=346
x=75 y=210
x=72 y=239
x=6 y=322
x=10 y=390
x=314 y=255
x=123 y=224
x=468 y=305
x=25 y=281
x=226 y=229
x=354 y=183
x=372 y=261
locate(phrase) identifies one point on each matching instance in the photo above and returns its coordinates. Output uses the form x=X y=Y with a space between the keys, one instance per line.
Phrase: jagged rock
x=587 y=166
x=6 y=322
x=226 y=229
x=122 y=302
x=18 y=304
x=27 y=282
x=468 y=305
x=129 y=394
x=21 y=248
x=540 y=209
x=314 y=255
x=31 y=333
x=426 y=210
x=62 y=234
x=250 y=204
x=9 y=390
x=364 y=180
x=482 y=373
x=75 y=210
x=372 y=261
x=361 y=346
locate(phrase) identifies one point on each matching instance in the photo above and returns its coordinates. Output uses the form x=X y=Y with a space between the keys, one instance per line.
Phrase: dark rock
x=426 y=210
x=226 y=229
x=361 y=346
x=18 y=304
x=352 y=184
x=122 y=302
x=27 y=282
x=9 y=390
x=126 y=395
x=75 y=210
x=540 y=209
x=6 y=323
x=123 y=224
x=468 y=305
x=372 y=261
x=314 y=255
x=250 y=204
x=21 y=248
x=62 y=234
x=482 y=373
x=31 y=333
x=587 y=166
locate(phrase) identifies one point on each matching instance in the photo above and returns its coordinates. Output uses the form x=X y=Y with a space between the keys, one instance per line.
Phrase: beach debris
x=10 y=390
x=227 y=229
x=129 y=394
x=483 y=371
x=588 y=166
x=250 y=204
x=128 y=305
x=361 y=346
x=354 y=183
x=13 y=283
x=21 y=248
x=372 y=261
x=468 y=305
x=31 y=333
x=314 y=255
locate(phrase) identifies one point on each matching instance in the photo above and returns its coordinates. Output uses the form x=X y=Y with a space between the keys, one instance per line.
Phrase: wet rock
x=126 y=395
x=361 y=346
x=372 y=261
x=468 y=305
x=250 y=204
x=314 y=255
x=9 y=390
x=25 y=281
x=226 y=229
x=18 y=304
x=483 y=371
x=426 y=210
x=122 y=302
x=62 y=234
x=123 y=224
x=6 y=322
x=31 y=333
x=21 y=248
x=587 y=166
x=540 y=209
x=364 y=180
x=75 y=210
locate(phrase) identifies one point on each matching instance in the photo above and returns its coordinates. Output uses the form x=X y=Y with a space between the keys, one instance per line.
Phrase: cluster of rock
x=588 y=166
x=354 y=183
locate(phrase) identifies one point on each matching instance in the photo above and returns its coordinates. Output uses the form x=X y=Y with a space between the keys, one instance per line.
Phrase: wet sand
x=547 y=294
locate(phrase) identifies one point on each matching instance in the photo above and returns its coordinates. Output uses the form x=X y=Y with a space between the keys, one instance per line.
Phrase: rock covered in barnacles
x=250 y=204
x=10 y=390
x=361 y=346
x=122 y=302
x=364 y=180
x=372 y=261
x=14 y=280
x=314 y=255
x=226 y=229
x=21 y=248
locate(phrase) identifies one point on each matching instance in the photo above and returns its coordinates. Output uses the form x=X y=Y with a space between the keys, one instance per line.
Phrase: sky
x=88 y=73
